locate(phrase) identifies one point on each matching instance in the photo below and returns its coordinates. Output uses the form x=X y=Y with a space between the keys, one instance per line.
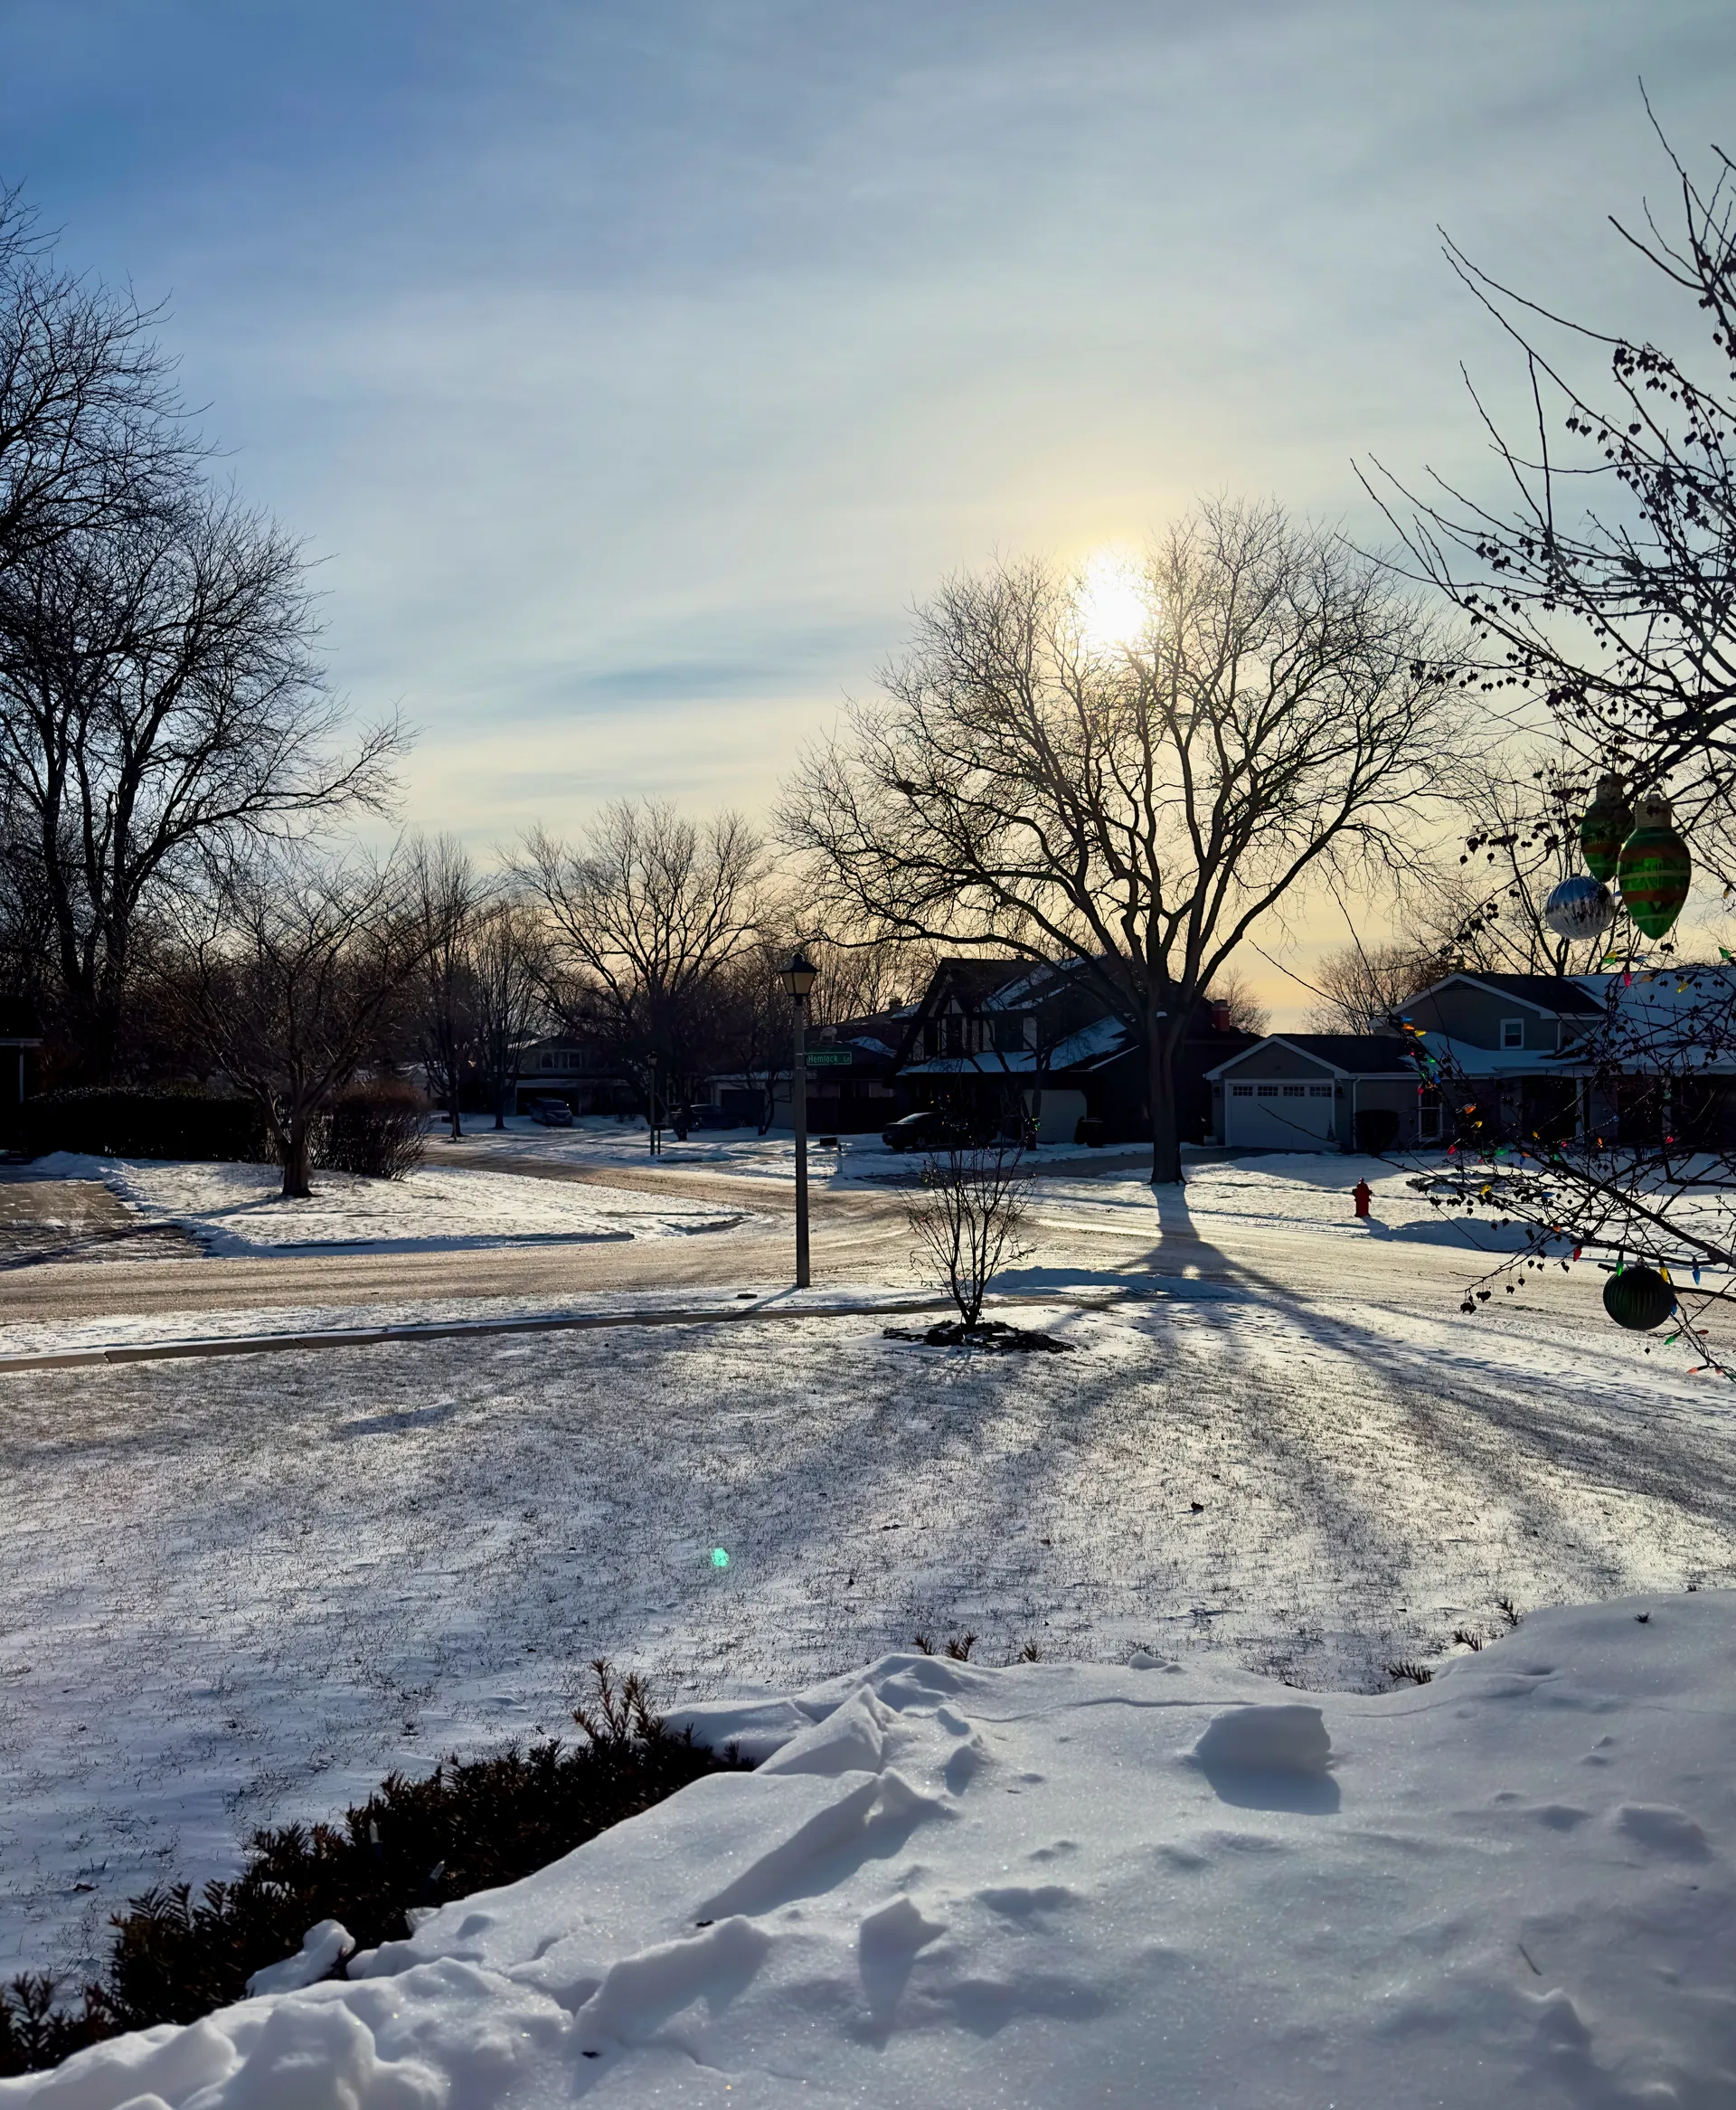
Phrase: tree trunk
x=457 y=1123
x=1165 y=1134
x=297 y=1160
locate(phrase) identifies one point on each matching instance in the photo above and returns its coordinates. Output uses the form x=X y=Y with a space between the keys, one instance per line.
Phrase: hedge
x=471 y=1825
x=141 y=1121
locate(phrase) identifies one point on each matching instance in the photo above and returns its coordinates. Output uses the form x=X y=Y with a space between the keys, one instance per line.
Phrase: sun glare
x=1113 y=601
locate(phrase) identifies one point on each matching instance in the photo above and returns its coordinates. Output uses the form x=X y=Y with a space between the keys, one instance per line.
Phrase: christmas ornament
x=1654 y=868
x=1638 y=1298
x=1606 y=826
x=1580 y=909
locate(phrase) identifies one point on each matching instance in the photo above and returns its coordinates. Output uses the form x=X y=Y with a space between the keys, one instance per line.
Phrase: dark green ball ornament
x=1638 y=1298
x=1608 y=823
x=1655 y=870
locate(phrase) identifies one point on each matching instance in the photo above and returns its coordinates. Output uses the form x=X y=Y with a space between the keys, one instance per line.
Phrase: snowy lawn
x=1161 y=1884
x=238 y=1209
x=595 y=1140
x=242 y=1590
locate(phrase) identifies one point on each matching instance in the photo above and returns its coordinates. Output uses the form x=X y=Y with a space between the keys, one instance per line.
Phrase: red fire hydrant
x=1362 y=1196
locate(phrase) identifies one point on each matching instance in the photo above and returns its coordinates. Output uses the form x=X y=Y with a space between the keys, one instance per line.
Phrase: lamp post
x=798 y=977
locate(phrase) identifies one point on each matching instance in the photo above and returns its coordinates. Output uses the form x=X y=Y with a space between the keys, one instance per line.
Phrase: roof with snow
x=1105 y=1040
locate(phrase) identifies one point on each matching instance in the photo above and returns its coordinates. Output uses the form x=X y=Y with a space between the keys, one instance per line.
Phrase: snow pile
x=238 y=1211
x=1056 y=1884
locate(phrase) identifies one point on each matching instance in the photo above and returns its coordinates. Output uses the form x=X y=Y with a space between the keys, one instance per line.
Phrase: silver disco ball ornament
x=1580 y=909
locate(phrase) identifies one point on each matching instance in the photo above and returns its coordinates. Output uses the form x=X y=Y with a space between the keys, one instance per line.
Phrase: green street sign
x=830 y=1058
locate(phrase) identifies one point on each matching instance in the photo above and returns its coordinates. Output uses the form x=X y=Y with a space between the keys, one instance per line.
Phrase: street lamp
x=798 y=977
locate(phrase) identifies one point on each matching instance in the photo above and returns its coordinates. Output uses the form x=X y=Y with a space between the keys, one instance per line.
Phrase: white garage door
x=1278 y=1113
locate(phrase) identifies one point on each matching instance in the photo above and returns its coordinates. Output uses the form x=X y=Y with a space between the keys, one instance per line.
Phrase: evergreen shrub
x=471 y=1825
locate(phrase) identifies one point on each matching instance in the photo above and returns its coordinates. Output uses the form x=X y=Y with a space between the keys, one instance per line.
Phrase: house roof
x=1351 y=1054
x=1560 y=995
x=1103 y=1041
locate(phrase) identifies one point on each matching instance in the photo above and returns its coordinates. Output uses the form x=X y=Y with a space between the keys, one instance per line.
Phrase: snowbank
x=1056 y=1884
x=238 y=1211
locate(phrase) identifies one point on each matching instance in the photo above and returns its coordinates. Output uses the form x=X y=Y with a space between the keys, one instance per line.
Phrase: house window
x=1428 y=1117
x=1296 y=1091
x=1319 y=1091
x=1513 y=1033
x=1269 y=1090
x=1241 y=1091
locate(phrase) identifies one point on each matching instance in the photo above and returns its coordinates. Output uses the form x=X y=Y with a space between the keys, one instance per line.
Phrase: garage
x=1317 y=1091
x=1280 y=1113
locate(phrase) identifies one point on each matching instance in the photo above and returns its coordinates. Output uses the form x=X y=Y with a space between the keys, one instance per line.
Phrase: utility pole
x=798 y=977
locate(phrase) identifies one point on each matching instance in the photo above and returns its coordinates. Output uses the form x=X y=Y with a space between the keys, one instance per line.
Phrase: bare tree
x=1598 y=585
x=295 y=972
x=1230 y=992
x=642 y=921
x=968 y=1220
x=448 y=1022
x=1361 y=989
x=507 y=978
x=159 y=706
x=91 y=431
x=1137 y=806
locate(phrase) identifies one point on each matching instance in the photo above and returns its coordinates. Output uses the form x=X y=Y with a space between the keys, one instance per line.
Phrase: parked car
x=553 y=1114
x=938 y=1128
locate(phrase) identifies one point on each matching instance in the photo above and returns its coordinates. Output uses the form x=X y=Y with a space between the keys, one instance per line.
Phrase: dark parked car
x=553 y=1114
x=938 y=1129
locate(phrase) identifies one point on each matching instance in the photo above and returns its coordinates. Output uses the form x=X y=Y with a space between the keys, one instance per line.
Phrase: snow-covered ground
x=1160 y=1884
x=239 y=1591
x=596 y=1141
x=1289 y=1190
x=238 y=1209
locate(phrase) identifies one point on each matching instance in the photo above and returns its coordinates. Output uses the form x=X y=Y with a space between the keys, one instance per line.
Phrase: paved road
x=858 y=1237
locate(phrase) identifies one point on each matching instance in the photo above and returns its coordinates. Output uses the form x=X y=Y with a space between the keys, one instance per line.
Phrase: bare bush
x=968 y=1220
x=377 y=1129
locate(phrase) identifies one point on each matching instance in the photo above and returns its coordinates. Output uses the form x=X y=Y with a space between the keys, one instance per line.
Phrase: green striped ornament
x=1607 y=822
x=1655 y=870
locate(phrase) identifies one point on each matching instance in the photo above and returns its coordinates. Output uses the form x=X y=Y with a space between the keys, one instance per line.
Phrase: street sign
x=830 y=1058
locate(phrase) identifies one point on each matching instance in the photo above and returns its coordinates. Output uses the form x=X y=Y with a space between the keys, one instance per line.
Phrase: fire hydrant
x=1362 y=1196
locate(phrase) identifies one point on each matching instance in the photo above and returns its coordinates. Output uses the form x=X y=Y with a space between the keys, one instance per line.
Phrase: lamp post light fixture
x=798 y=977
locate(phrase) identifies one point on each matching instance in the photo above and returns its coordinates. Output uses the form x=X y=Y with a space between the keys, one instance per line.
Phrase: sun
x=1113 y=601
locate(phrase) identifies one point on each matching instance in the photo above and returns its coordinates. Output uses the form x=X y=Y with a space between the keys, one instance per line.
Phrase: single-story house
x=1322 y=1092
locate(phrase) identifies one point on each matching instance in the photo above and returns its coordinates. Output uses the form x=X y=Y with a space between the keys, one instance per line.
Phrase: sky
x=633 y=369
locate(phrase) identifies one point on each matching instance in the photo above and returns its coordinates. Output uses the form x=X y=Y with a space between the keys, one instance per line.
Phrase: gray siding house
x=1322 y=1091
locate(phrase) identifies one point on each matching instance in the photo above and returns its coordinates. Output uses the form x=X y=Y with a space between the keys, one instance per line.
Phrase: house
x=1519 y=1054
x=1322 y=1092
x=1040 y=1040
x=851 y=1087
x=561 y=1067
x=1521 y=1049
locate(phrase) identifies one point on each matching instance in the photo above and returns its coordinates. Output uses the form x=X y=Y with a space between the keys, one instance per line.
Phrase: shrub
x=967 y=1221
x=140 y=1121
x=471 y=1825
x=377 y=1129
